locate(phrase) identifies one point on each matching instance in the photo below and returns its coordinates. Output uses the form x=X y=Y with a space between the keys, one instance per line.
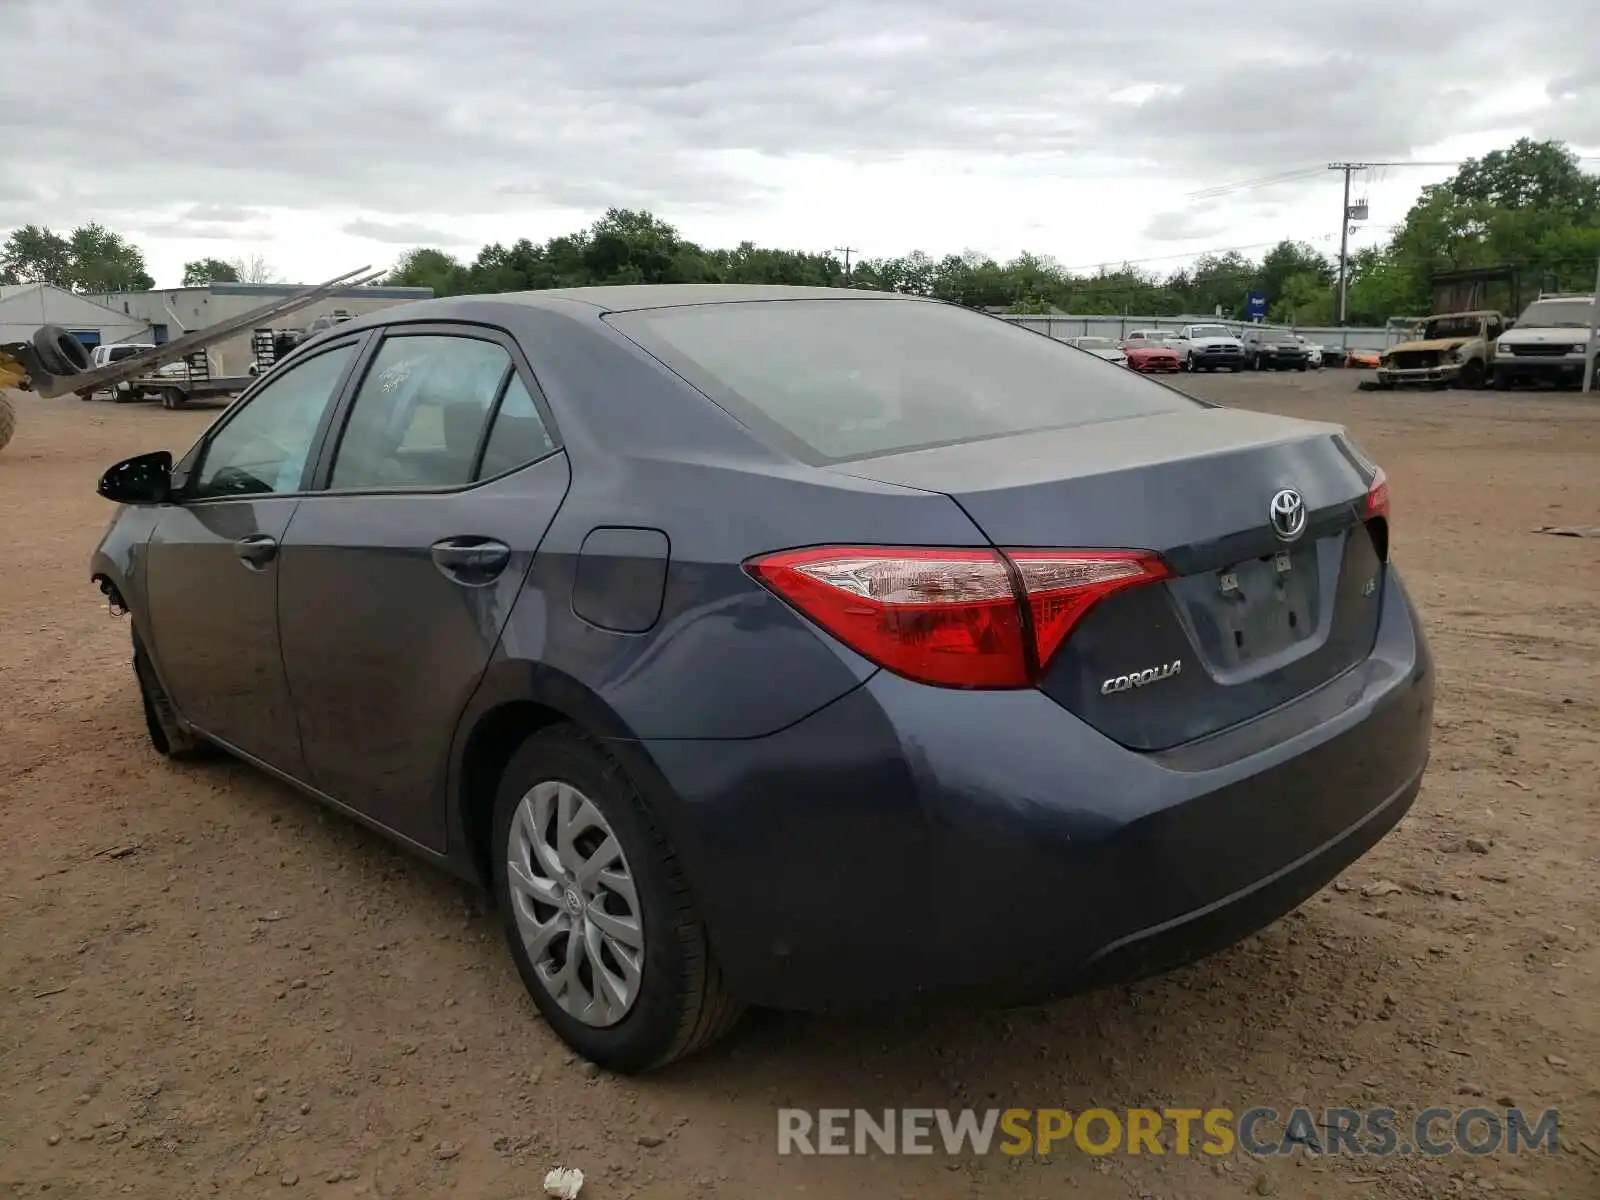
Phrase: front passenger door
x=212 y=584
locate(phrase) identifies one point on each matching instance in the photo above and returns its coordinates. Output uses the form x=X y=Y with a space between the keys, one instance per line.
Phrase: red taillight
x=957 y=617
x=1062 y=585
x=1378 y=496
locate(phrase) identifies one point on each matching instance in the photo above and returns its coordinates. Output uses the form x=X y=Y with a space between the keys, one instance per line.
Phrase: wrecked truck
x=1448 y=350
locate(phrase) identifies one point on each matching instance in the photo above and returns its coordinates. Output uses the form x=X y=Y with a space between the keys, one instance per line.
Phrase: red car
x=1151 y=357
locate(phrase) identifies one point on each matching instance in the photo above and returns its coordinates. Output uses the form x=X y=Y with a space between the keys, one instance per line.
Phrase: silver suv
x=1548 y=343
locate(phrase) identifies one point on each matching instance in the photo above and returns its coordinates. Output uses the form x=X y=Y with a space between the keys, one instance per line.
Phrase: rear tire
x=173 y=398
x=678 y=1003
x=167 y=734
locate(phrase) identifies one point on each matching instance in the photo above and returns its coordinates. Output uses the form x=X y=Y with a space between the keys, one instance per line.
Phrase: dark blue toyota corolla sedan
x=794 y=647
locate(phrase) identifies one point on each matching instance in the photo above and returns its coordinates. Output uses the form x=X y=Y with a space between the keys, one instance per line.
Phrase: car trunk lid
x=1250 y=619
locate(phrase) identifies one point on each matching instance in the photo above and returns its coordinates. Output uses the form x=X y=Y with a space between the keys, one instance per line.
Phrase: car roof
x=628 y=296
x=591 y=301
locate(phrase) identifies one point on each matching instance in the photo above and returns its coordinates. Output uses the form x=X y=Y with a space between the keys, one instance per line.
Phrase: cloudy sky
x=324 y=134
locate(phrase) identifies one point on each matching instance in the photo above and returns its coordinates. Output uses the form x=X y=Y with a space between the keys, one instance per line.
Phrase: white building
x=169 y=313
x=26 y=306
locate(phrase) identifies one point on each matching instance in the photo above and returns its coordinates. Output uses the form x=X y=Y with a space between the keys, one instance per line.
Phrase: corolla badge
x=1287 y=512
x=1126 y=683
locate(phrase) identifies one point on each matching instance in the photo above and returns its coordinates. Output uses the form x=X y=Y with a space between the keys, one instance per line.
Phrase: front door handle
x=256 y=550
x=471 y=560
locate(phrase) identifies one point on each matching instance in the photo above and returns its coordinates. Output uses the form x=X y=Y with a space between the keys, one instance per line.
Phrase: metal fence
x=1068 y=325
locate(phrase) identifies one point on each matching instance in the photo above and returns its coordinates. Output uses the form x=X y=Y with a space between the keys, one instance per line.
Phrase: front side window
x=420 y=414
x=264 y=447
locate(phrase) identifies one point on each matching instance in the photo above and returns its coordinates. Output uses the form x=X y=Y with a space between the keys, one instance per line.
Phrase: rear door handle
x=471 y=560
x=256 y=550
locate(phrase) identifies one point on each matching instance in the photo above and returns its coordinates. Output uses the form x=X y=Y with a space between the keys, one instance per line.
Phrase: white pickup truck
x=1207 y=347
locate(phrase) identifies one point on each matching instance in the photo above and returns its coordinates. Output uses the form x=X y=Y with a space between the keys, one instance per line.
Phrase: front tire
x=597 y=912
x=168 y=735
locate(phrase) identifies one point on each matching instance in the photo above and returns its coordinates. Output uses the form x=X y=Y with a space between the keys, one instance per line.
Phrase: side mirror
x=142 y=479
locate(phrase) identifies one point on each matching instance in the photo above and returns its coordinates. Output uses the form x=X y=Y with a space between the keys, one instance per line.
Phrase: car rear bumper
x=908 y=842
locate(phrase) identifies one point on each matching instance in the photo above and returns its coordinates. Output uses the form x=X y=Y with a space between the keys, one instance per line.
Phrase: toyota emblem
x=1287 y=514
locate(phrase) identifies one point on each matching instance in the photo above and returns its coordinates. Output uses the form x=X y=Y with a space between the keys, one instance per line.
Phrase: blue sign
x=1255 y=306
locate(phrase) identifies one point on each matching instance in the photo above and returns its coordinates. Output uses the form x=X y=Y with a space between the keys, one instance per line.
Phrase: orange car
x=1151 y=356
x=1362 y=358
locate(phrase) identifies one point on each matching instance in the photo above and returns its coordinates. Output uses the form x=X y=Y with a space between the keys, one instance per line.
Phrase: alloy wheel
x=575 y=903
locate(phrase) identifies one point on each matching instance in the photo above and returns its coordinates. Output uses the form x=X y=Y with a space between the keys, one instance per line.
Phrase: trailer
x=177 y=389
x=54 y=363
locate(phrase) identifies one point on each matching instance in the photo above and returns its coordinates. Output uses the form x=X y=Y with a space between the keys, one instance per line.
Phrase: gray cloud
x=221 y=214
x=1181 y=227
x=403 y=233
x=204 y=230
x=485 y=107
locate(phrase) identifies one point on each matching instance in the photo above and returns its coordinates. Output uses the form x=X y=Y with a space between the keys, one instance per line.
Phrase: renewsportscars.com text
x=1260 y=1131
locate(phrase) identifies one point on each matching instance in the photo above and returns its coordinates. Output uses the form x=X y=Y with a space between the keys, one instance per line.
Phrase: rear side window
x=832 y=380
x=420 y=414
x=519 y=435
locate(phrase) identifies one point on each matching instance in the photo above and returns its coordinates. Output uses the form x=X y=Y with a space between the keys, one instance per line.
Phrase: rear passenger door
x=398 y=572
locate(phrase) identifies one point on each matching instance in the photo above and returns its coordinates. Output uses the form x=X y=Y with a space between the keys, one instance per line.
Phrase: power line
x=1134 y=262
x=1224 y=189
x=1296 y=173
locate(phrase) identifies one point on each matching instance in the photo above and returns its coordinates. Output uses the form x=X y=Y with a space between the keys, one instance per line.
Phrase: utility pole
x=1344 y=229
x=847 y=251
x=1594 y=324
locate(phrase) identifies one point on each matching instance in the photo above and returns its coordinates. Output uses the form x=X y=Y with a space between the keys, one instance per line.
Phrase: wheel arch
x=514 y=701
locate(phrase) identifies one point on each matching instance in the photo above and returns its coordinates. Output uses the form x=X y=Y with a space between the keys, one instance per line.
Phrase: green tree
x=90 y=259
x=1290 y=260
x=1221 y=280
x=33 y=254
x=625 y=246
x=430 y=268
x=208 y=270
x=1529 y=206
x=103 y=261
x=1544 y=176
x=1304 y=298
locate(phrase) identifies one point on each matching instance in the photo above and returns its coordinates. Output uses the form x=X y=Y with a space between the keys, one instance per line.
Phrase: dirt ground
x=212 y=986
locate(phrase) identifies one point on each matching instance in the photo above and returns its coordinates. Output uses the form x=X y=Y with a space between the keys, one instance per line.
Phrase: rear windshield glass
x=841 y=379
